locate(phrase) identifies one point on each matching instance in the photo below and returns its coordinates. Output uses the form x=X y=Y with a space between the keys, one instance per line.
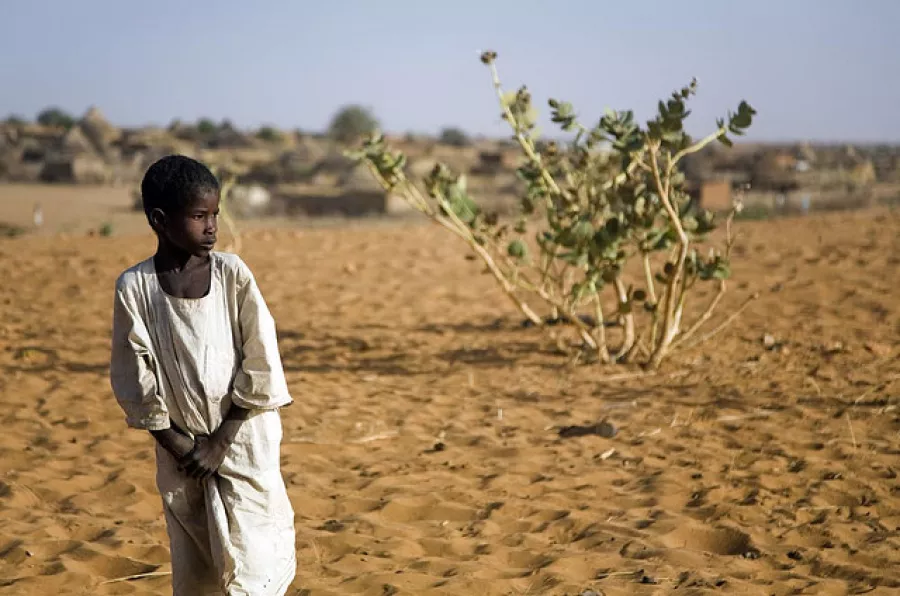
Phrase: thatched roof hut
x=75 y=142
x=97 y=129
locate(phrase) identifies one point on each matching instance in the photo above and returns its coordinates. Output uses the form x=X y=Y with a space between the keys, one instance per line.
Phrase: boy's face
x=192 y=229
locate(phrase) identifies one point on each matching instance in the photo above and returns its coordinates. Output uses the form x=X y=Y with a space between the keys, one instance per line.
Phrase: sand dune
x=422 y=454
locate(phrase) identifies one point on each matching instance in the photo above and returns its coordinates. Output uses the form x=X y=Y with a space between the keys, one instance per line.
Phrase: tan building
x=715 y=195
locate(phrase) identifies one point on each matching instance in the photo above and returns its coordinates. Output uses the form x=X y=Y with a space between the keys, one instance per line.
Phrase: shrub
x=15 y=120
x=268 y=134
x=11 y=231
x=455 y=137
x=352 y=122
x=56 y=117
x=610 y=197
x=205 y=126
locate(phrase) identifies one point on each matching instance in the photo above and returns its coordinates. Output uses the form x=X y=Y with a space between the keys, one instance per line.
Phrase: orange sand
x=740 y=475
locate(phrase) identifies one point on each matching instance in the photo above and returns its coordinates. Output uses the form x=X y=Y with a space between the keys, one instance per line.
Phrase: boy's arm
x=132 y=371
x=174 y=441
x=260 y=383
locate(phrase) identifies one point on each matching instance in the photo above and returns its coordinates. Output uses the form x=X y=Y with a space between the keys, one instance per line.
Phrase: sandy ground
x=422 y=454
x=68 y=209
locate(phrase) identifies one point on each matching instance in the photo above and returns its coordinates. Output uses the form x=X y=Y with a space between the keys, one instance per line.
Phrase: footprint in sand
x=716 y=540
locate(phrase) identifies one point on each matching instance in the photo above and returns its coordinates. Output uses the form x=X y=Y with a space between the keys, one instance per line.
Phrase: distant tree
x=205 y=126
x=226 y=124
x=455 y=137
x=269 y=134
x=56 y=117
x=15 y=120
x=351 y=122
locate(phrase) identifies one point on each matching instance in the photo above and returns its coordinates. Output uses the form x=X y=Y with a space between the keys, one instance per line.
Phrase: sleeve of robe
x=132 y=366
x=260 y=383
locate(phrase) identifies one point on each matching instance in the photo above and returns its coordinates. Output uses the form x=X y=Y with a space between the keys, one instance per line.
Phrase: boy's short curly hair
x=173 y=182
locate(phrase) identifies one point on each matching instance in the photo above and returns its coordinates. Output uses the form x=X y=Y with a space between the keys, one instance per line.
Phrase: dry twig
x=129 y=578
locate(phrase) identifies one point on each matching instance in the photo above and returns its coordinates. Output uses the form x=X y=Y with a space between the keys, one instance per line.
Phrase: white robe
x=188 y=360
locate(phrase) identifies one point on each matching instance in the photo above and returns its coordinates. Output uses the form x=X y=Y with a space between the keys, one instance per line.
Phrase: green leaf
x=517 y=249
x=722 y=271
x=583 y=231
x=461 y=204
x=689 y=223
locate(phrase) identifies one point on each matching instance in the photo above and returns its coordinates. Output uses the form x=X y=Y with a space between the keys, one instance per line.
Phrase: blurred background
x=94 y=91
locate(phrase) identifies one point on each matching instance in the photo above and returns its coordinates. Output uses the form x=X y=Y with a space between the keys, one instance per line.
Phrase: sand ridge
x=422 y=454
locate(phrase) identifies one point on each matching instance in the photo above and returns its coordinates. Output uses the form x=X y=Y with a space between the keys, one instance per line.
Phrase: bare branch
x=724 y=323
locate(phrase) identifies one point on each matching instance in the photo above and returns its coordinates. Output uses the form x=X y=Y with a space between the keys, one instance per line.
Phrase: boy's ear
x=158 y=220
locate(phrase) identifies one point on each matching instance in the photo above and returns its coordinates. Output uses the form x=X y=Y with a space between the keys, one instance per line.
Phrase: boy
x=195 y=362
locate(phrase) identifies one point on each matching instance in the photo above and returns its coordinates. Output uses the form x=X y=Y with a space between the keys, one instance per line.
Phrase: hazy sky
x=814 y=69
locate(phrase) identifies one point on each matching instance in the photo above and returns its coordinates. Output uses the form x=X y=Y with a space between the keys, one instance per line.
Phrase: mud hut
x=84 y=168
x=75 y=141
x=339 y=202
x=74 y=159
x=97 y=129
x=332 y=169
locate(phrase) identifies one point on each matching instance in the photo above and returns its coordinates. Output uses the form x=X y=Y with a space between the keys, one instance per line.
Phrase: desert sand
x=422 y=454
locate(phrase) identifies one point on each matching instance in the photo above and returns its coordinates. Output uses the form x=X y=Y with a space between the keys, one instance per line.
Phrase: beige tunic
x=188 y=360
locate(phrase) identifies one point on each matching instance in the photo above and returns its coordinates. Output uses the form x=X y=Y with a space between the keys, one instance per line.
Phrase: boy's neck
x=171 y=258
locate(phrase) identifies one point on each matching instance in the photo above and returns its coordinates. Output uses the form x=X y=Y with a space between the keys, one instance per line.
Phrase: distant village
x=294 y=173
